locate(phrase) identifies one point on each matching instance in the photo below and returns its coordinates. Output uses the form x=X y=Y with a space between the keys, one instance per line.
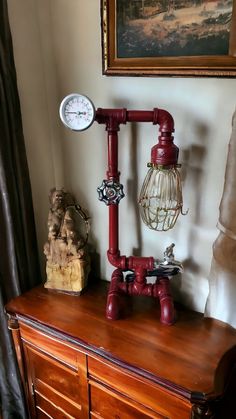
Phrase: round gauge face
x=77 y=112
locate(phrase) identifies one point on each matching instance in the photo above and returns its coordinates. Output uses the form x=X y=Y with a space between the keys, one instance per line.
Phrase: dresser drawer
x=52 y=346
x=148 y=394
x=110 y=405
x=51 y=380
x=51 y=403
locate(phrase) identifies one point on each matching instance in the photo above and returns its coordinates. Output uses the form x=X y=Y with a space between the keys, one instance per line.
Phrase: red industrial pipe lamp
x=160 y=201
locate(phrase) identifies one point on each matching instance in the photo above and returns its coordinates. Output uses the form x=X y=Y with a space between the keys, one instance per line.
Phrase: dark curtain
x=19 y=267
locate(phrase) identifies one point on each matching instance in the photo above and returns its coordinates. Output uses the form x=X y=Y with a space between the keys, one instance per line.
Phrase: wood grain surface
x=192 y=357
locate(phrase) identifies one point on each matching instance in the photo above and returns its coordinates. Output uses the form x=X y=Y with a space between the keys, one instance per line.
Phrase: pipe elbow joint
x=164 y=119
x=116 y=260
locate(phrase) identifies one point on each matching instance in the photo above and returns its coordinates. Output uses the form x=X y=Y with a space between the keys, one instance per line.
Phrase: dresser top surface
x=186 y=354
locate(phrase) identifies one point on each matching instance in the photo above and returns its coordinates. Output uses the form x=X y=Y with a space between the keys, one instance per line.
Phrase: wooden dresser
x=76 y=364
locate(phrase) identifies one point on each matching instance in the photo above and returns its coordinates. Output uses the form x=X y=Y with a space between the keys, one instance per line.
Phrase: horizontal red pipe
x=134 y=263
x=114 y=117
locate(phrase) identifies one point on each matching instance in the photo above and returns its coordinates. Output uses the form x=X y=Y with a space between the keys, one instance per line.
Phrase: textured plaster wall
x=57 y=46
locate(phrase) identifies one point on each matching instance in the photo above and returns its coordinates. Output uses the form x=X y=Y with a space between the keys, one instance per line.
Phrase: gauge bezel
x=62 y=110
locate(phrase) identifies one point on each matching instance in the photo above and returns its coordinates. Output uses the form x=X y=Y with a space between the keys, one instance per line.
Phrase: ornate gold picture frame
x=169 y=38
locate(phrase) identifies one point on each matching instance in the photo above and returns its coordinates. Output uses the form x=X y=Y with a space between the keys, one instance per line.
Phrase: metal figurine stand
x=111 y=191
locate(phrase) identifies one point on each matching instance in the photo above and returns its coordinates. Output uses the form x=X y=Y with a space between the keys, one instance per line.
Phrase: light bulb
x=160 y=198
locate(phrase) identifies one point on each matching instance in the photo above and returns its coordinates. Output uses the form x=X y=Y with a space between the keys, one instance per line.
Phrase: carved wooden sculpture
x=68 y=262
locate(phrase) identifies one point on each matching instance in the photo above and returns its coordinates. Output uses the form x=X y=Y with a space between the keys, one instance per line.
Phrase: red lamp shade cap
x=165 y=153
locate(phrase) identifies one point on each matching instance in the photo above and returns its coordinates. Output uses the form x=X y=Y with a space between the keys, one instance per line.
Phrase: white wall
x=57 y=47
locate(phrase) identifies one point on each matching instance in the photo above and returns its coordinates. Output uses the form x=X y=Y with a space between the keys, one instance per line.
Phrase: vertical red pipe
x=113 y=174
x=112 y=147
x=113 y=229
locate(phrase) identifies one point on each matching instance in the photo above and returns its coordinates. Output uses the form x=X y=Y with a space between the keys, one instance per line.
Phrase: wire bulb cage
x=160 y=198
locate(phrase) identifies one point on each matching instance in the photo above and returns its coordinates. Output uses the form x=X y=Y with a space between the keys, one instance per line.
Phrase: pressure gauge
x=77 y=112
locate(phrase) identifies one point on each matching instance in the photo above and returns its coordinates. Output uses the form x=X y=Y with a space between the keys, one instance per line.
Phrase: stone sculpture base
x=71 y=278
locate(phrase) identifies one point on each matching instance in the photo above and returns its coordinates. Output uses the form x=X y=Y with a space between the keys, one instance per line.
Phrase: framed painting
x=169 y=37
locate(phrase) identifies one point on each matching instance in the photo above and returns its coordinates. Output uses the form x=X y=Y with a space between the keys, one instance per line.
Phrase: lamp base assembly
x=120 y=287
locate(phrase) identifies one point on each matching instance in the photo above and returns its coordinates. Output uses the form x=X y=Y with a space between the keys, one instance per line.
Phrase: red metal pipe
x=110 y=117
x=112 y=148
x=114 y=301
x=113 y=174
x=114 y=230
x=160 y=289
x=164 y=153
x=139 y=262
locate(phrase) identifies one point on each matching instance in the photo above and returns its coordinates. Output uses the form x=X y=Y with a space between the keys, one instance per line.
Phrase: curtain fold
x=222 y=280
x=19 y=265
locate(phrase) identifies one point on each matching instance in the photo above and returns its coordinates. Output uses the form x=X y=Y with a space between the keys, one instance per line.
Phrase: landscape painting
x=172 y=28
